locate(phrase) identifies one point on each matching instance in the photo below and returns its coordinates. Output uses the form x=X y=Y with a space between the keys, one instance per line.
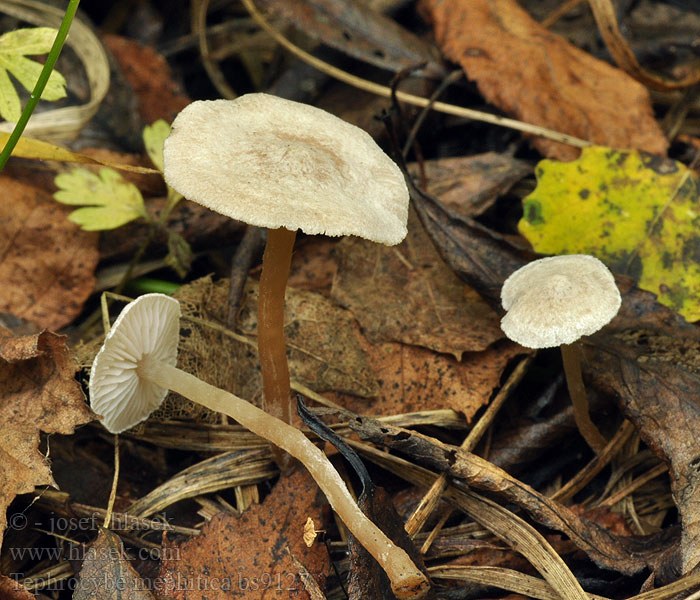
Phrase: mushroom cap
x=275 y=163
x=557 y=300
x=150 y=325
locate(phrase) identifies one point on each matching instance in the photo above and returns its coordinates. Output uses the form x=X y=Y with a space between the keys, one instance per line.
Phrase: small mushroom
x=285 y=166
x=556 y=301
x=132 y=374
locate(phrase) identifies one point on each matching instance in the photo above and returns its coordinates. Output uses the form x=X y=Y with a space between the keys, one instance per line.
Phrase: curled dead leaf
x=38 y=392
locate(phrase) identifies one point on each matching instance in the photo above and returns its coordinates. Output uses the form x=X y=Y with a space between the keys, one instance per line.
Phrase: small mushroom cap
x=557 y=300
x=150 y=325
x=275 y=163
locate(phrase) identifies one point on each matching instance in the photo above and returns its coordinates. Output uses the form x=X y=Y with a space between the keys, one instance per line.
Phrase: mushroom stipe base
x=407 y=581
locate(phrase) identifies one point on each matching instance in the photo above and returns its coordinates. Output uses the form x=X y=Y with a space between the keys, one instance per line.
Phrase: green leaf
x=153 y=138
x=14 y=46
x=10 y=106
x=30 y=41
x=638 y=213
x=110 y=201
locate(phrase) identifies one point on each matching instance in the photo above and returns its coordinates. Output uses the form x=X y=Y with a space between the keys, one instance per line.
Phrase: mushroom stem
x=407 y=581
x=571 y=356
x=272 y=347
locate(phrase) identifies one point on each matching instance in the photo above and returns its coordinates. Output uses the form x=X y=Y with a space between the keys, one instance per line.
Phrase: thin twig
x=384 y=91
x=428 y=503
x=115 y=482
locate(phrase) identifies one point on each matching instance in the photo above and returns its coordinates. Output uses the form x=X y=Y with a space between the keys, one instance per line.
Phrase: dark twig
x=248 y=250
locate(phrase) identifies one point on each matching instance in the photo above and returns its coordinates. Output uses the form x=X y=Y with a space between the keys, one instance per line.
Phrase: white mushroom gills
x=407 y=581
x=555 y=301
x=284 y=165
x=138 y=355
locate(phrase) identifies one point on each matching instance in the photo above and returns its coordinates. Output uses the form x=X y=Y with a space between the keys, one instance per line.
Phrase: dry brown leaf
x=159 y=97
x=249 y=555
x=13 y=590
x=47 y=263
x=658 y=392
x=468 y=185
x=361 y=32
x=323 y=346
x=37 y=393
x=649 y=359
x=313 y=265
x=415 y=379
x=540 y=78
x=407 y=294
x=106 y=573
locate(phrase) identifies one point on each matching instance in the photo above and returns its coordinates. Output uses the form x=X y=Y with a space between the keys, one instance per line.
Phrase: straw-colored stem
x=571 y=356
x=272 y=346
x=407 y=581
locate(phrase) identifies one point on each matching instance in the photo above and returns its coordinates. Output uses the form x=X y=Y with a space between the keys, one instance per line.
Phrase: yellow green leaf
x=153 y=138
x=27 y=72
x=110 y=201
x=10 y=106
x=638 y=213
x=14 y=47
x=32 y=148
x=28 y=42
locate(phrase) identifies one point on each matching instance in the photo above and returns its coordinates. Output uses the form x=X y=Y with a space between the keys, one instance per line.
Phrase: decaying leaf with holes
x=38 y=392
x=637 y=213
x=324 y=347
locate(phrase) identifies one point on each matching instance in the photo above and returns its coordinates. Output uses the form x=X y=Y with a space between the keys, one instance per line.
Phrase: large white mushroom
x=555 y=301
x=132 y=374
x=285 y=166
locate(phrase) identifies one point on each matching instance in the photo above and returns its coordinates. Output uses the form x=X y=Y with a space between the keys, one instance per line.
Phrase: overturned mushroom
x=556 y=301
x=285 y=166
x=132 y=374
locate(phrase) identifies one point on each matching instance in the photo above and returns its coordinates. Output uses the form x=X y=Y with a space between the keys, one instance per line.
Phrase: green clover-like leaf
x=109 y=200
x=153 y=138
x=14 y=48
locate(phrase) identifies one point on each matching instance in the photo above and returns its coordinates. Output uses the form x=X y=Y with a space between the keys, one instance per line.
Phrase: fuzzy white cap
x=275 y=163
x=150 y=325
x=557 y=300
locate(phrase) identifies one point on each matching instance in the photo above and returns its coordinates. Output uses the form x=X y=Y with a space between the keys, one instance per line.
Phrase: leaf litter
x=47 y=264
x=539 y=77
x=645 y=364
x=39 y=394
x=250 y=555
x=636 y=212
